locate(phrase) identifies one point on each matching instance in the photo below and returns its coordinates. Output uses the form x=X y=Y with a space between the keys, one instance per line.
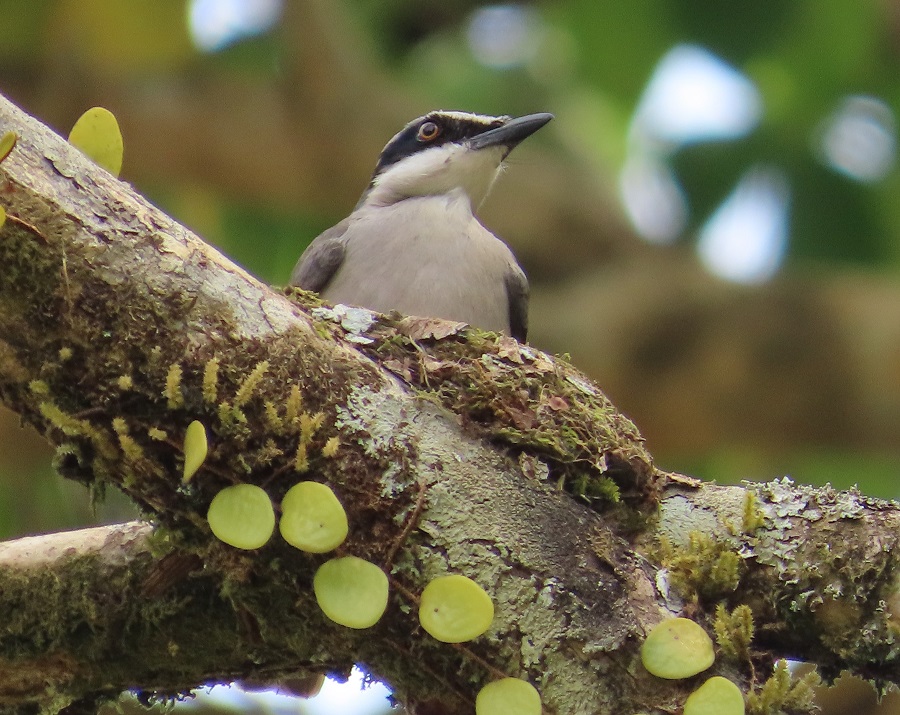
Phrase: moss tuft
x=511 y=393
x=211 y=380
x=706 y=569
x=250 y=384
x=172 y=392
x=734 y=631
x=783 y=693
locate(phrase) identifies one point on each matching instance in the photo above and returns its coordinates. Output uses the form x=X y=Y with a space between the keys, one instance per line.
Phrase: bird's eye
x=428 y=132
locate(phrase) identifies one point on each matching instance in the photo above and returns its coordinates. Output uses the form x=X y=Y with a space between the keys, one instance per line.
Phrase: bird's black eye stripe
x=430 y=131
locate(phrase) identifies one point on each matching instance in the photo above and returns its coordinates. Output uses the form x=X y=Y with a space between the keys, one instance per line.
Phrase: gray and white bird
x=413 y=243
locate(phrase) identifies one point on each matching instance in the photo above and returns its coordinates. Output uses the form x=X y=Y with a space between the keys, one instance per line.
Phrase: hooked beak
x=511 y=133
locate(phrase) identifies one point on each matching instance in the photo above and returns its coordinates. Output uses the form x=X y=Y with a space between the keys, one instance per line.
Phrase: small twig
x=410 y=524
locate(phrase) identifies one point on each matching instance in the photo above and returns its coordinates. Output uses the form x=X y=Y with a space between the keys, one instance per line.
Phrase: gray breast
x=427 y=256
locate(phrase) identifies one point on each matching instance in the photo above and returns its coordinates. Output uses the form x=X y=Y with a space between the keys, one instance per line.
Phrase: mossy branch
x=451 y=450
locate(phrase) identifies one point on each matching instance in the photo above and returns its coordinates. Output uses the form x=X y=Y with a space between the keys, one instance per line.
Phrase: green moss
x=39 y=387
x=250 y=383
x=124 y=382
x=706 y=569
x=331 y=446
x=293 y=405
x=275 y=423
x=301 y=458
x=513 y=394
x=65 y=423
x=734 y=631
x=172 y=391
x=130 y=448
x=783 y=693
x=753 y=516
x=211 y=380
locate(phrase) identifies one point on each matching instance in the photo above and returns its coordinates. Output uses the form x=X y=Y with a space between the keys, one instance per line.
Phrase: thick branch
x=119 y=328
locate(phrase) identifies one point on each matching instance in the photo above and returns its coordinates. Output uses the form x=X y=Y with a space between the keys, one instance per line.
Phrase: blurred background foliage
x=711 y=224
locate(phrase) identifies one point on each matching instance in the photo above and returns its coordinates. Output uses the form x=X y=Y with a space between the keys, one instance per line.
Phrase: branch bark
x=459 y=452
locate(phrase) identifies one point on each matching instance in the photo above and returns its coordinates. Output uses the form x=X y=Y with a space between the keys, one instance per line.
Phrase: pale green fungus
x=717 y=696
x=195 y=449
x=677 y=648
x=509 y=696
x=96 y=134
x=454 y=609
x=242 y=516
x=7 y=142
x=312 y=518
x=351 y=591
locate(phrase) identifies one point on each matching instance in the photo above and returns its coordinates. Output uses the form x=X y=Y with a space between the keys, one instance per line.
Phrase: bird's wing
x=517 y=294
x=321 y=259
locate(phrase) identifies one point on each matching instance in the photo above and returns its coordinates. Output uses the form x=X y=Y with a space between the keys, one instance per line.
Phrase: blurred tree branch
x=451 y=454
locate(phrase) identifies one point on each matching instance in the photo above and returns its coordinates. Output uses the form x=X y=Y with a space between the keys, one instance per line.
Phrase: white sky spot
x=652 y=198
x=215 y=24
x=692 y=96
x=504 y=36
x=859 y=139
x=349 y=697
x=746 y=237
x=695 y=96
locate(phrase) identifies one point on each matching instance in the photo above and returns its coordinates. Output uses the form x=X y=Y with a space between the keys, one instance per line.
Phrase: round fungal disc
x=351 y=591
x=509 y=696
x=195 y=449
x=454 y=609
x=242 y=516
x=96 y=134
x=7 y=142
x=717 y=696
x=312 y=518
x=677 y=648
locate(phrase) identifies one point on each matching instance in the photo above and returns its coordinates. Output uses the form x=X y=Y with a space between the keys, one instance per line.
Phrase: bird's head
x=445 y=152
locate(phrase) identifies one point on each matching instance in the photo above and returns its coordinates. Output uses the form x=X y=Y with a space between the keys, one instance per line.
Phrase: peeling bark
x=459 y=452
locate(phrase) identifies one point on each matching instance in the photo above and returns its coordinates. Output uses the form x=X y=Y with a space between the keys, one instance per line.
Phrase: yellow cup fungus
x=96 y=134
x=717 y=696
x=312 y=518
x=195 y=449
x=677 y=648
x=351 y=591
x=508 y=696
x=454 y=609
x=242 y=516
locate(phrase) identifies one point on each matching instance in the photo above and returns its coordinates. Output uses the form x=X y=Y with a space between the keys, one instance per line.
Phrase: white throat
x=447 y=169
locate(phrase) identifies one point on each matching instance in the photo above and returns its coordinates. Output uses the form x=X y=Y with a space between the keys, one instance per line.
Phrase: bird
x=413 y=243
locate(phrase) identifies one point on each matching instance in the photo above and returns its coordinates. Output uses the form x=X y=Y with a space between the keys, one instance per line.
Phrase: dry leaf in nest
x=428 y=328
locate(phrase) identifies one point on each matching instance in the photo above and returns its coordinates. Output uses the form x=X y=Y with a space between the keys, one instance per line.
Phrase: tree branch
x=459 y=452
